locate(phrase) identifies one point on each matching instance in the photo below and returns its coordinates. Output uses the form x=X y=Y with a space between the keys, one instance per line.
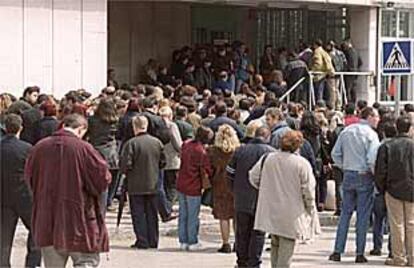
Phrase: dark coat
x=13 y=157
x=45 y=127
x=221 y=120
x=245 y=157
x=157 y=127
x=186 y=129
x=67 y=177
x=142 y=158
x=203 y=79
x=125 y=130
x=394 y=168
x=30 y=118
x=295 y=70
x=102 y=136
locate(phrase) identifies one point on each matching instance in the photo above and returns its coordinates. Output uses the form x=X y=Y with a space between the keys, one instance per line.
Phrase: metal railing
x=311 y=90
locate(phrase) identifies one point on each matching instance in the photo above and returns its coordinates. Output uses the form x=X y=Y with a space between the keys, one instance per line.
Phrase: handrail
x=292 y=88
x=342 y=87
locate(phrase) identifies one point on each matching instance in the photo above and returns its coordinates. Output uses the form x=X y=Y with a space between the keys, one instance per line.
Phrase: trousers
x=57 y=259
x=9 y=218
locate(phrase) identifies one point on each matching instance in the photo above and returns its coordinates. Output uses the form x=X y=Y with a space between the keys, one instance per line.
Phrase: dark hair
x=361 y=104
x=376 y=105
x=13 y=123
x=42 y=98
x=49 y=108
x=309 y=124
x=404 y=124
x=390 y=129
x=203 y=135
x=30 y=90
x=409 y=107
x=269 y=96
x=367 y=112
x=181 y=111
x=149 y=102
x=106 y=111
x=74 y=121
x=318 y=42
x=229 y=102
x=291 y=141
x=221 y=108
x=133 y=105
x=350 y=109
x=244 y=104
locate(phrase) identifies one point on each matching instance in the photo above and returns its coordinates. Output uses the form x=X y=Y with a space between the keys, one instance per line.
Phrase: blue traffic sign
x=396 y=57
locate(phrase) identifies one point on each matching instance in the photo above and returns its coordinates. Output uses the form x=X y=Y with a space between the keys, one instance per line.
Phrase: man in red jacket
x=67 y=177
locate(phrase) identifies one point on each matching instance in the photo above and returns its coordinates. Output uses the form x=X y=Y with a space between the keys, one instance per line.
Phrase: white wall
x=58 y=45
x=363 y=25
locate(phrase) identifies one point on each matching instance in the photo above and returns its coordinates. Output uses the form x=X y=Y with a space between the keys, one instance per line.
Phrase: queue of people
x=262 y=165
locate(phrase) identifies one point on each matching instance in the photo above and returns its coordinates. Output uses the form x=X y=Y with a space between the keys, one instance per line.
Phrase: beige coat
x=321 y=62
x=286 y=200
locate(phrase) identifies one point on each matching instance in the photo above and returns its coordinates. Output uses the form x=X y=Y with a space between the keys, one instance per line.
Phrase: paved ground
x=311 y=256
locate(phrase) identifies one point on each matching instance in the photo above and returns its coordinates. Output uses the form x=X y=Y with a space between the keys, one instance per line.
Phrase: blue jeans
x=380 y=223
x=164 y=206
x=188 y=221
x=358 y=193
x=319 y=88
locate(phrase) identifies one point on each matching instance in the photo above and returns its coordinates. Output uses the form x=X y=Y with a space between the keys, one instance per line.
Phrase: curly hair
x=226 y=139
x=291 y=141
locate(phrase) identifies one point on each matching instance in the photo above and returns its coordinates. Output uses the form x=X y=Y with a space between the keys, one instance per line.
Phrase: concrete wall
x=56 y=44
x=363 y=25
x=142 y=30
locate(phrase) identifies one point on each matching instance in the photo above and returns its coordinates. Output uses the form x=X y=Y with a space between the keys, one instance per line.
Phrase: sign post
x=397 y=60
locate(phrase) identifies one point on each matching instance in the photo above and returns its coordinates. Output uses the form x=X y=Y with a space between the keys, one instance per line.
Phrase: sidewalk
x=312 y=256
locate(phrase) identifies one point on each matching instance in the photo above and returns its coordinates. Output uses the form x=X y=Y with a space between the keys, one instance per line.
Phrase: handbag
x=207 y=197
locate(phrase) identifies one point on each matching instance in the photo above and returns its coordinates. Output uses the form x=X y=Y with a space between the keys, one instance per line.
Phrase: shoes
x=337 y=213
x=170 y=217
x=321 y=207
x=138 y=246
x=225 y=248
x=375 y=252
x=394 y=262
x=361 y=259
x=183 y=246
x=195 y=247
x=335 y=257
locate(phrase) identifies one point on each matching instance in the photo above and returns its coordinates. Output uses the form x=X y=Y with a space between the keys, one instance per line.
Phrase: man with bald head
x=249 y=242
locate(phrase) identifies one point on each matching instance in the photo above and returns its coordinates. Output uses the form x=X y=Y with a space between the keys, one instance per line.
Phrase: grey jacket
x=173 y=148
x=142 y=158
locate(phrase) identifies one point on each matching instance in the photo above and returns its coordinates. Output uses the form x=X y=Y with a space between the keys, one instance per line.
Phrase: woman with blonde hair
x=220 y=154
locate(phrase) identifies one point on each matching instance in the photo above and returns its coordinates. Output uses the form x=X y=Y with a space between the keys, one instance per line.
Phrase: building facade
x=69 y=44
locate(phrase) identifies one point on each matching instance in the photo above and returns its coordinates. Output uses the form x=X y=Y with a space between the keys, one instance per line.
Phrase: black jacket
x=221 y=120
x=45 y=127
x=394 y=168
x=30 y=118
x=13 y=157
x=157 y=127
x=245 y=157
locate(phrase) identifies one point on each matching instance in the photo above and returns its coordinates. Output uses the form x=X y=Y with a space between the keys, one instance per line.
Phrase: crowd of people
x=226 y=142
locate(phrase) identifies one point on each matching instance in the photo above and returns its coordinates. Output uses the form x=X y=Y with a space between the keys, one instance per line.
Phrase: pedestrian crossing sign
x=396 y=57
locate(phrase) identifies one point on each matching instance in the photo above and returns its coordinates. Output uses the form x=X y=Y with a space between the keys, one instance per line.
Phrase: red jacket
x=67 y=177
x=194 y=160
x=351 y=119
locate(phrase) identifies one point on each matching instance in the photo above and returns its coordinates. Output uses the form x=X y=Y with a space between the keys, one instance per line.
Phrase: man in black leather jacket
x=394 y=176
